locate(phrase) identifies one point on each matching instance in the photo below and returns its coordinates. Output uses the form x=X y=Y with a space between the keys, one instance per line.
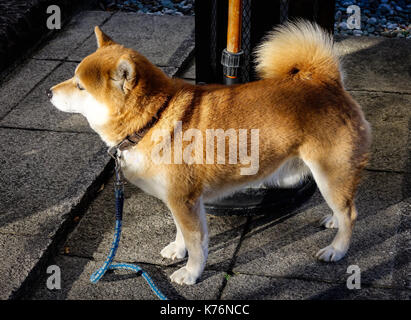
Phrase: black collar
x=133 y=139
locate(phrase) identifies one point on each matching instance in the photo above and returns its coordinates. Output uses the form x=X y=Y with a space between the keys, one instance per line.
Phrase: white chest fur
x=135 y=167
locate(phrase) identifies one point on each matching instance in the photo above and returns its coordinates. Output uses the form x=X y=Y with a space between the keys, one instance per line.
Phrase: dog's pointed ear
x=102 y=39
x=126 y=73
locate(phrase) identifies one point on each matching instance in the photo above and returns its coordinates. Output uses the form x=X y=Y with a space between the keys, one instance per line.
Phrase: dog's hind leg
x=337 y=180
x=191 y=221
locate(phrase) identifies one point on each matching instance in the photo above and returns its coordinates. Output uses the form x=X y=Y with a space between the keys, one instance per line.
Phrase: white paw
x=330 y=253
x=173 y=251
x=184 y=276
x=329 y=221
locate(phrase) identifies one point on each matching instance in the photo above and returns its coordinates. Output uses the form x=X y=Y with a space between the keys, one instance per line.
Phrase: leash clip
x=116 y=155
x=113 y=152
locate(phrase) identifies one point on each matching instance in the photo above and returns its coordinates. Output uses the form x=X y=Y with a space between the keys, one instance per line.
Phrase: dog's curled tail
x=298 y=50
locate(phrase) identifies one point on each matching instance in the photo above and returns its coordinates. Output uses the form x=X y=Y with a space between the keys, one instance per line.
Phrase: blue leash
x=108 y=265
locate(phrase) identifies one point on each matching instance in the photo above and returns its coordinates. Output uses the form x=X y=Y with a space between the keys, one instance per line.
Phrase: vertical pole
x=231 y=56
x=234 y=26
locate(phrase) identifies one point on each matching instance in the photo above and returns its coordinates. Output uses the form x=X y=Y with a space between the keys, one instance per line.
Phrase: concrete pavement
x=52 y=164
x=262 y=257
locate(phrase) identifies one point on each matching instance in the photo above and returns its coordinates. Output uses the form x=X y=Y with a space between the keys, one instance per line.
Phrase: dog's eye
x=79 y=86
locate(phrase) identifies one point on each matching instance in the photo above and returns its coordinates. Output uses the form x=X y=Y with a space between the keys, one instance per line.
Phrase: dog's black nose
x=49 y=93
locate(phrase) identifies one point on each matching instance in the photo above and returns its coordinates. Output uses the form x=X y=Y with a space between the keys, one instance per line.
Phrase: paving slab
x=79 y=29
x=36 y=111
x=377 y=64
x=44 y=174
x=121 y=285
x=252 y=287
x=147 y=228
x=189 y=72
x=19 y=83
x=19 y=255
x=389 y=115
x=286 y=247
x=164 y=40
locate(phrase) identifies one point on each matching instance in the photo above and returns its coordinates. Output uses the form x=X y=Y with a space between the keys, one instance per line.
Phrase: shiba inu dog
x=307 y=124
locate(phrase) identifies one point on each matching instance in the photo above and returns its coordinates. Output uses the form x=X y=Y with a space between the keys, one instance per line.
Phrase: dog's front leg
x=191 y=222
x=176 y=249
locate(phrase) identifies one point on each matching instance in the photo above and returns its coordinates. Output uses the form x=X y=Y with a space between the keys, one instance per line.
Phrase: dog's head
x=108 y=84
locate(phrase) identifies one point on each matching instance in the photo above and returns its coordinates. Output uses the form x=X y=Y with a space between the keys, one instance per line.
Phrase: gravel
x=378 y=18
x=157 y=7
